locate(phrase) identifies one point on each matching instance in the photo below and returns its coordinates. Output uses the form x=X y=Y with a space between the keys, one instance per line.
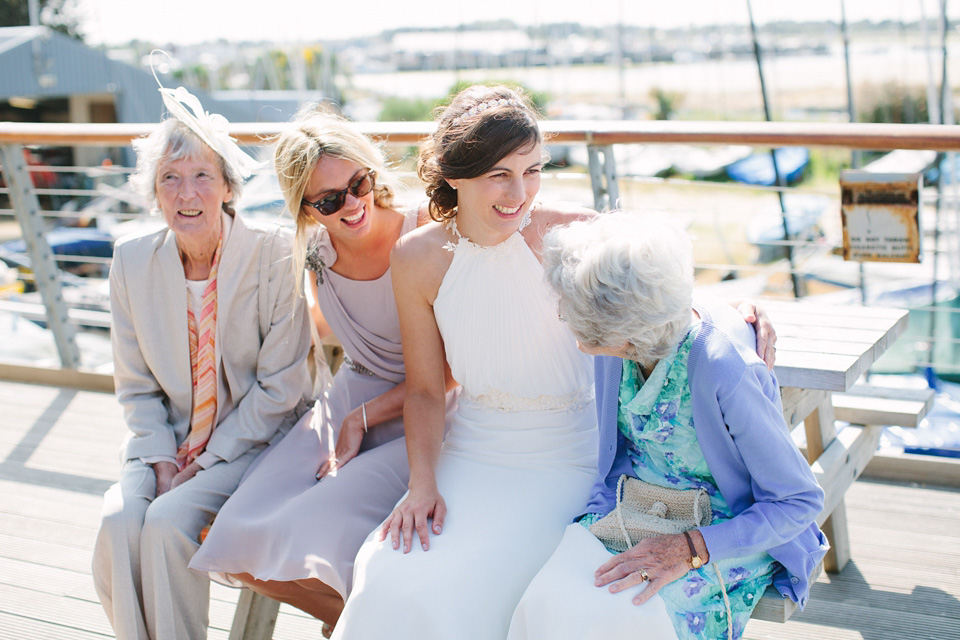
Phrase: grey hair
x=172 y=141
x=623 y=279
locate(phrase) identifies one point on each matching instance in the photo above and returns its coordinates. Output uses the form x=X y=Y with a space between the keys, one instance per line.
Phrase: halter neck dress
x=517 y=463
x=281 y=523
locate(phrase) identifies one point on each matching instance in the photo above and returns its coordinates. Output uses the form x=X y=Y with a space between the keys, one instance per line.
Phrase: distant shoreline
x=728 y=89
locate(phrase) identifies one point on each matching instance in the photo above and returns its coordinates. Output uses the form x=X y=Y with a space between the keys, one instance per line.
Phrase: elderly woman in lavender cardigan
x=684 y=402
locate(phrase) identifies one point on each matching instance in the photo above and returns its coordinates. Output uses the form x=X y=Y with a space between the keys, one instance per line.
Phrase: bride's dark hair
x=479 y=127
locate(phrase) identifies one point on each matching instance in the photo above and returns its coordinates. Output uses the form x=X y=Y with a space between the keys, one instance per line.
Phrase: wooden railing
x=771 y=134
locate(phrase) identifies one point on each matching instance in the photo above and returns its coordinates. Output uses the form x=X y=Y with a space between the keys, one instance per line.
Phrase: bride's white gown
x=517 y=464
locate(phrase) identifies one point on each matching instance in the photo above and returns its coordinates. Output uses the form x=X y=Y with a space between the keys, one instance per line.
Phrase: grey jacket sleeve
x=138 y=392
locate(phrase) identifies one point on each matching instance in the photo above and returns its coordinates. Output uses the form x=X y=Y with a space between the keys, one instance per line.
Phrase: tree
x=59 y=15
x=893 y=102
x=407 y=109
x=667 y=102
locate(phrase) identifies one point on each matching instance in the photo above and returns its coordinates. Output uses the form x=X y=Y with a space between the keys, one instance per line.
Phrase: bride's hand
x=414 y=512
x=766 y=334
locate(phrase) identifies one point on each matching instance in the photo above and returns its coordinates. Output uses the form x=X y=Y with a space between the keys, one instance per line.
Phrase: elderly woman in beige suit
x=210 y=342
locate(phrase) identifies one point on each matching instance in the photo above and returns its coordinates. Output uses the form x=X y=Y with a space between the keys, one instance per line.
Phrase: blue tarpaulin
x=757 y=168
x=70 y=241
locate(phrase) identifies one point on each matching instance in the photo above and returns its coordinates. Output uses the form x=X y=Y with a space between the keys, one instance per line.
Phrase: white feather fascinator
x=212 y=128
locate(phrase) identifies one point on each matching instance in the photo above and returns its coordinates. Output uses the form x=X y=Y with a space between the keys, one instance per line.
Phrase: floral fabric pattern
x=656 y=417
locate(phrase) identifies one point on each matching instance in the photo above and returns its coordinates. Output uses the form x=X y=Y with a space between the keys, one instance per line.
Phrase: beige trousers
x=144 y=545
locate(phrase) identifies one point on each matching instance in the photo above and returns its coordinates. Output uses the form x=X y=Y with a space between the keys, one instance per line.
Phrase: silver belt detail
x=356 y=367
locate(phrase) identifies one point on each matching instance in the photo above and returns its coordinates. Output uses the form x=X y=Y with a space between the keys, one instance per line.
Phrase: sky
x=192 y=21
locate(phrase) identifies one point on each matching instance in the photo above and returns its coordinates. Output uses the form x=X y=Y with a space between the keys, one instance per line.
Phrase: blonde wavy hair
x=312 y=135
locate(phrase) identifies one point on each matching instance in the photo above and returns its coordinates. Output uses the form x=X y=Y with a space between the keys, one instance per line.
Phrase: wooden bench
x=868 y=409
x=903 y=408
x=867 y=404
x=255 y=617
x=773 y=607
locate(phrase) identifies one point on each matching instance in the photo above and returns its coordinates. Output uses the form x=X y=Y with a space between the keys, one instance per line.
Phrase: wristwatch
x=695 y=561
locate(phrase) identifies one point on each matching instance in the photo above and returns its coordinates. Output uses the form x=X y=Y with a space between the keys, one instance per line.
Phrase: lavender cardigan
x=740 y=428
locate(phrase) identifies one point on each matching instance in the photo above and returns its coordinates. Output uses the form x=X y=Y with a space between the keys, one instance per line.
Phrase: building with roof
x=50 y=77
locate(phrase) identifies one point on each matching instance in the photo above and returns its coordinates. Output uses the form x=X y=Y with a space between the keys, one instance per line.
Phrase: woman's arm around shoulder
x=546 y=216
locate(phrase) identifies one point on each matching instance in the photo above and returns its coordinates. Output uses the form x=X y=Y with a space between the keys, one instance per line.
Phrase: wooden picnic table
x=822 y=350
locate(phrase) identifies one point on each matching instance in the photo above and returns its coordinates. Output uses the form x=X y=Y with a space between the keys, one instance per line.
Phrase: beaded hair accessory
x=209 y=127
x=489 y=104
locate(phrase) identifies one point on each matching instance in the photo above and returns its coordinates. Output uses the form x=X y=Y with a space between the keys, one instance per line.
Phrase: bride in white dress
x=485 y=508
x=488 y=504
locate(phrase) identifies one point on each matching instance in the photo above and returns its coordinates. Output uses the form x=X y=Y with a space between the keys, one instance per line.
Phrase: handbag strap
x=716 y=568
x=619 y=510
x=726 y=601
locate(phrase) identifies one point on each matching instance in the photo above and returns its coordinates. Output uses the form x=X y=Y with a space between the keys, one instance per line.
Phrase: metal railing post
x=603 y=177
x=45 y=270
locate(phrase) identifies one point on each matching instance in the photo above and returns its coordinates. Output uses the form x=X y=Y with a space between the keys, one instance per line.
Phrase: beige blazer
x=261 y=345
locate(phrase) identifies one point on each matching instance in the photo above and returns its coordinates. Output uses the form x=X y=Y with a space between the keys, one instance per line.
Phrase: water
x=932 y=340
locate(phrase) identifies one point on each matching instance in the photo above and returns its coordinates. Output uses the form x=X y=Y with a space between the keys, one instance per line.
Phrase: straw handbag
x=646 y=510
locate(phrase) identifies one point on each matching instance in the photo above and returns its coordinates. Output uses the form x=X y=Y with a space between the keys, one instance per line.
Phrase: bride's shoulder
x=422 y=248
x=424 y=238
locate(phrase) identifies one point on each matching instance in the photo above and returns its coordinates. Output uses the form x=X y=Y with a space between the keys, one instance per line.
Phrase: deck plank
x=18 y=626
x=903 y=581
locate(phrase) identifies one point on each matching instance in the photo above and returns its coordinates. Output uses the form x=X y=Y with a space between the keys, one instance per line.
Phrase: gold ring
x=643 y=575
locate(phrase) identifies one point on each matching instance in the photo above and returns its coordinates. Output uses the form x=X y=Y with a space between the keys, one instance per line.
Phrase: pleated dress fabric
x=281 y=523
x=516 y=466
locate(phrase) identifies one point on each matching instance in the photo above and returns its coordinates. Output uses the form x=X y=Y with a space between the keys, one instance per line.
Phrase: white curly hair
x=624 y=280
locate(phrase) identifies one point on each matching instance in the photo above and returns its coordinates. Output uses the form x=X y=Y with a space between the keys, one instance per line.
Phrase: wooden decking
x=58 y=455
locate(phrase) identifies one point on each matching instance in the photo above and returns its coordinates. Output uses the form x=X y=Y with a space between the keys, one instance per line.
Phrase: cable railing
x=726 y=257
x=862 y=136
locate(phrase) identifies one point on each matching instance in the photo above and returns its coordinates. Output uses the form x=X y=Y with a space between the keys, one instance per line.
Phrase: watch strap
x=695 y=561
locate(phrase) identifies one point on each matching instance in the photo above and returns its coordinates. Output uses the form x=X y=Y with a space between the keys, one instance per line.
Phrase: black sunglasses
x=330 y=204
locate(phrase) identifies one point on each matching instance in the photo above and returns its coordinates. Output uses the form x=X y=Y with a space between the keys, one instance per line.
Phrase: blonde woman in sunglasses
x=294 y=527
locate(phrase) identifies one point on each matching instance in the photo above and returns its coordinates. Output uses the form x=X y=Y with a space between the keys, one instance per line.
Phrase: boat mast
x=778 y=178
x=852 y=112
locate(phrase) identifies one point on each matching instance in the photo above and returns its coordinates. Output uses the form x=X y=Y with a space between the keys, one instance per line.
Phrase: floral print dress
x=656 y=417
